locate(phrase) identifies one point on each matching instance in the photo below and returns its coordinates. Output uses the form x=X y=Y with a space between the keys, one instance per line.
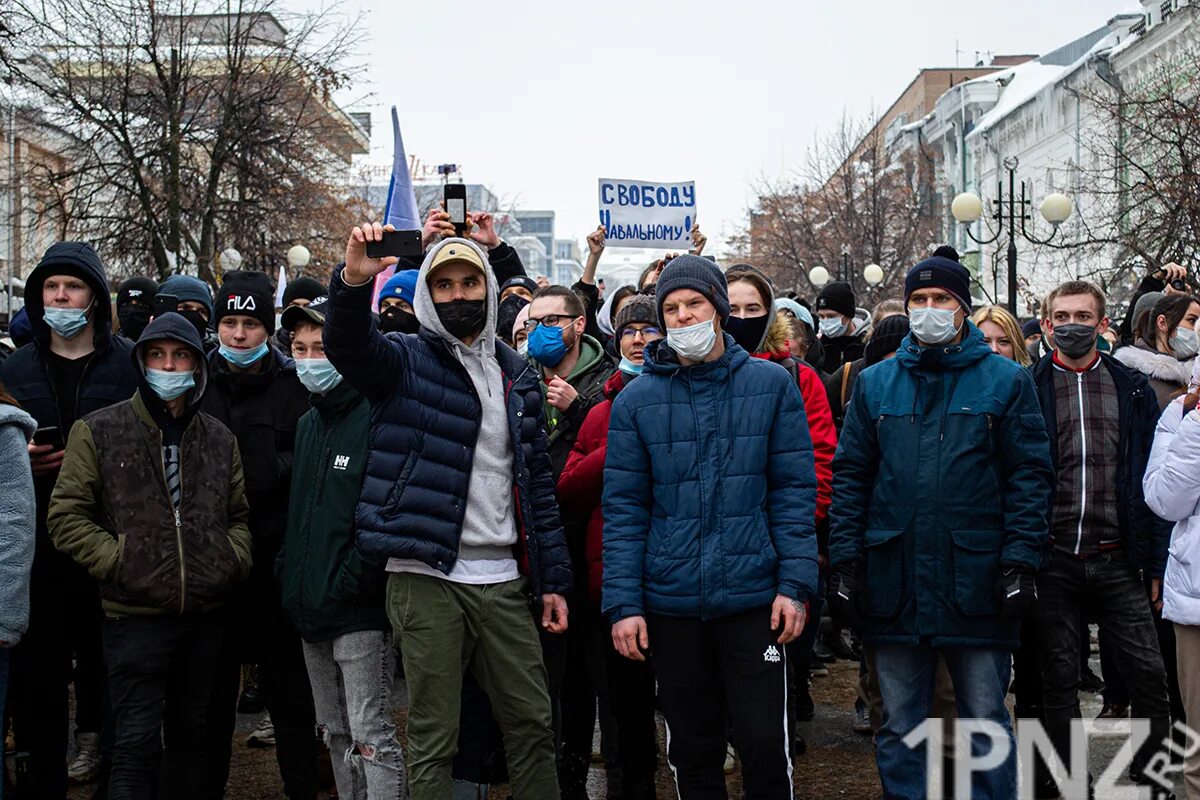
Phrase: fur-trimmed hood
x=1155 y=365
x=776 y=338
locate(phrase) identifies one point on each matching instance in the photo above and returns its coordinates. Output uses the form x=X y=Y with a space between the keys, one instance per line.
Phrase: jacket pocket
x=885 y=579
x=976 y=567
x=397 y=492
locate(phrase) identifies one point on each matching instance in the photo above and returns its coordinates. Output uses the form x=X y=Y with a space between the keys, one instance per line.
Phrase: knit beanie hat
x=403 y=285
x=837 y=297
x=885 y=338
x=139 y=288
x=303 y=288
x=524 y=281
x=698 y=274
x=1144 y=305
x=1031 y=327
x=248 y=293
x=188 y=289
x=638 y=308
x=939 y=272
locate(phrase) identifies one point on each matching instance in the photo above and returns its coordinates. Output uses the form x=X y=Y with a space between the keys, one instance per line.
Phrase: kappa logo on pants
x=771 y=655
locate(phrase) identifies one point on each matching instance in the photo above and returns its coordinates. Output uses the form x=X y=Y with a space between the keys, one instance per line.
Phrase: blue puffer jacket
x=425 y=418
x=709 y=489
x=941 y=476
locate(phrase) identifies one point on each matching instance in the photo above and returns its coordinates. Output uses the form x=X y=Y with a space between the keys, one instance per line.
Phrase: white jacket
x=1172 y=487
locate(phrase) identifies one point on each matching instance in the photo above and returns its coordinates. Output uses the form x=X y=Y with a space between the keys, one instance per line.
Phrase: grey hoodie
x=17 y=514
x=489 y=527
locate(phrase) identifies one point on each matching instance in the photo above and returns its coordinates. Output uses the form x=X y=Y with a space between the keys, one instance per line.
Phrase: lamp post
x=298 y=256
x=967 y=208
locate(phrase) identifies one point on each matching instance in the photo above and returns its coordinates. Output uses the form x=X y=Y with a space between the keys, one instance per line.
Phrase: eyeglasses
x=630 y=333
x=553 y=320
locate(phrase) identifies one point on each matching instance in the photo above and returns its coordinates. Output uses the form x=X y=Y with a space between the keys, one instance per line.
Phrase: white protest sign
x=647 y=214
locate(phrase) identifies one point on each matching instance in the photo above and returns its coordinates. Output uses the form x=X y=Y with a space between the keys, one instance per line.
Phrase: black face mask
x=506 y=315
x=134 y=320
x=394 y=319
x=1074 y=340
x=197 y=319
x=462 y=318
x=748 y=332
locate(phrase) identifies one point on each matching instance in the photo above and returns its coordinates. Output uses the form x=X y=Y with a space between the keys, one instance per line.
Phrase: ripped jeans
x=351 y=680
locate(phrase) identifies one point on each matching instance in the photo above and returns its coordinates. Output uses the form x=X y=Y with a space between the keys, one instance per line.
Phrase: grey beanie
x=1144 y=305
x=638 y=308
x=696 y=273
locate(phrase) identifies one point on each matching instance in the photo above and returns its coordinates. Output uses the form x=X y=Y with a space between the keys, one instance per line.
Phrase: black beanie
x=137 y=288
x=940 y=273
x=304 y=289
x=946 y=251
x=837 y=297
x=248 y=293
x=698 y=274
x=885 y=338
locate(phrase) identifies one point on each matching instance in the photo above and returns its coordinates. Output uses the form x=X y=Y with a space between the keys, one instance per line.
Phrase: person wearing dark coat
x=73 y=366
x=458 y=501
x=842 y=335
x=298 y=292
x=254 y=390
x=135 y=304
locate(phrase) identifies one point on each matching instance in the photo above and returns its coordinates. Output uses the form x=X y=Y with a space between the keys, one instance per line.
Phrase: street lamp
x=967 y=208
x=818 y=277
x=873 y=273
x=230 y=259
x=298 y=256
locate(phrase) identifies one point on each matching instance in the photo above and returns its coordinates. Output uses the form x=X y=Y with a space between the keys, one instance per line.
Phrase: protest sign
x=647 y=214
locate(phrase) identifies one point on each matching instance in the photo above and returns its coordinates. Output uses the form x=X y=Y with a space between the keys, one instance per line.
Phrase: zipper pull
x=178 y=523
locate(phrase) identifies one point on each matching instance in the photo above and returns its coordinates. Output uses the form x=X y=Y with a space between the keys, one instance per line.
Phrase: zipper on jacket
x=324 y=467
x=1082 y=463
x=178 y=520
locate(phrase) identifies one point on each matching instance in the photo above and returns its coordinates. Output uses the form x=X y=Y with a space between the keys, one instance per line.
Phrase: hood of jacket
x=591 y=355
x=175 y=327
x=427 y=313
x=78 y=258
x=1153 y=364
x=775 y=340
x=14 y=415
x=972 y=348
x=614 y=385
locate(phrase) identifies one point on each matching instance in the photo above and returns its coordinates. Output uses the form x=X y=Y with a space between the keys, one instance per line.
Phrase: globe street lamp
x=818 y=277
x=967 y=208
x=298 y=256
x=873 y=273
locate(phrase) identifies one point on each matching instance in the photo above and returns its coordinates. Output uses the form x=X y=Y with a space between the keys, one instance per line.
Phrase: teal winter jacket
x=942 y=475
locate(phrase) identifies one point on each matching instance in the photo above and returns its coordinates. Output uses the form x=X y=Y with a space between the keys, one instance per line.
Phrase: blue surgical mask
x=933 y=326
x=242 y=358
x=66 y=322
x=631 y=369
x=546 y=345
x=317 y=375
x=169 y=385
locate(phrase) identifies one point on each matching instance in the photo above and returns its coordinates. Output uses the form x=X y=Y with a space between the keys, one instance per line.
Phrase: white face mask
x=933 y=326
x=693 y=342
x=832 y=327
x=1185 y=343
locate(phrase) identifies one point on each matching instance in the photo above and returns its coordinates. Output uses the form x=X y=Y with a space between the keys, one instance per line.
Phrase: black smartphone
x=165 y=303
x=48 y=435
x=396 y=243
x=456 y=206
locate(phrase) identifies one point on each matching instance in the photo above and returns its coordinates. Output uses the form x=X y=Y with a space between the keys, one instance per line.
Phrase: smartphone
x=165 y=303
x=396 y=243
x=48 y=435
x=456 y=206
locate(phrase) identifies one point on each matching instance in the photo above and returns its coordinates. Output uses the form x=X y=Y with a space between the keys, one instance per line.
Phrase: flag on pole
x=400 y=209
x=280 y=286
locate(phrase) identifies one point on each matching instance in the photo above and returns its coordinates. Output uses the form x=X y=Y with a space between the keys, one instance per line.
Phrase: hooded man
x=843 y=337
x=73 y=366
x=396 y=303
x=195 y=305
x=940 y=488
x=135 y=304
x=458 y=497
x=151 y=501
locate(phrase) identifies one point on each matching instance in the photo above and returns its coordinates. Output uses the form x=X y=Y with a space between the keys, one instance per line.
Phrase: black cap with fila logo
x=248 y=293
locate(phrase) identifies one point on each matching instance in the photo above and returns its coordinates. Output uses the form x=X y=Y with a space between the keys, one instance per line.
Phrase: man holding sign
x=645 y=214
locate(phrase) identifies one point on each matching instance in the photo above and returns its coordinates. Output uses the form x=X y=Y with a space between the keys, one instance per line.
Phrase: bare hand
x=595 y=241
x=698 y=240
x=1156 y=596
x=359 y=269
x=554 y=613
x=630 y=638
x=484 y=230
x=542 y=281
x=792 y=614
x=559 y=393
x=437 y=226
x=1174 y=272
x=44 y=459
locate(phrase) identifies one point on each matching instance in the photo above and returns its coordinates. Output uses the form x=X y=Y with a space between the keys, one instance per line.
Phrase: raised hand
x=359 y=268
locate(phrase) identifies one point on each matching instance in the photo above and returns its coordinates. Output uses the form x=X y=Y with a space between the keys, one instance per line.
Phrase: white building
x=1038 y=114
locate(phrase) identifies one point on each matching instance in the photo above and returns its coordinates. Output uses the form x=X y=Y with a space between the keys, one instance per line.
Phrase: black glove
x=1017 y=590
x=843 y=584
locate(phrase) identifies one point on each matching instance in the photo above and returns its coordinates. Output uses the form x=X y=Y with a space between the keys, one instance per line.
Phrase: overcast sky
x=539 y=99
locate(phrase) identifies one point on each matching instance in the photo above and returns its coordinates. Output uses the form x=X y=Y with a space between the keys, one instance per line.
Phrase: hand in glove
x=1017 y=591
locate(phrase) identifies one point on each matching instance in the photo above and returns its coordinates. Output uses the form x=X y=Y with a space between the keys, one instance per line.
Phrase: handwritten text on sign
x=644 y=214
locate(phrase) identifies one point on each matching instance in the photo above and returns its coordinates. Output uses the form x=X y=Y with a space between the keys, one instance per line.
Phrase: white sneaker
x=263 y=735
x=730 y=759
x=86 y=765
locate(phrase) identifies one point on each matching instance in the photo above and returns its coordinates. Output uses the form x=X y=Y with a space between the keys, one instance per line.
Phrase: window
x=1165 y=9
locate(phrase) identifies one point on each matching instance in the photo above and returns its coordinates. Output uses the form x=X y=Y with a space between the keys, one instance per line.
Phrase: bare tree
x=193 y=125
x=852 y=198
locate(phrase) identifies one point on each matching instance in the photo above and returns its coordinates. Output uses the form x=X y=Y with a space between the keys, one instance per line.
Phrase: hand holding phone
x=397 y=244
x=455 y=198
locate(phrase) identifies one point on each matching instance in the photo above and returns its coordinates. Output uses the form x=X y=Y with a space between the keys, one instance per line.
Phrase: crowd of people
x=210 y=506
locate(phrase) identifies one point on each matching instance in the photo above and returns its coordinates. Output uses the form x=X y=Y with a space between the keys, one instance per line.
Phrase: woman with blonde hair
x=1002 y=333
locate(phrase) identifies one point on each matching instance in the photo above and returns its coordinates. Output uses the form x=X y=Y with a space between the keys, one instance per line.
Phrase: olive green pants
x=445 y=628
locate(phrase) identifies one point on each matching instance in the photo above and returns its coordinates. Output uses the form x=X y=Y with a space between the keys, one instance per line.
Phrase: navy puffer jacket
x=709 y=489
x=425 y=418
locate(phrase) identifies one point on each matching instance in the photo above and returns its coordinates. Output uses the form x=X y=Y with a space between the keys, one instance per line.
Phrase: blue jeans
x=906 y=676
